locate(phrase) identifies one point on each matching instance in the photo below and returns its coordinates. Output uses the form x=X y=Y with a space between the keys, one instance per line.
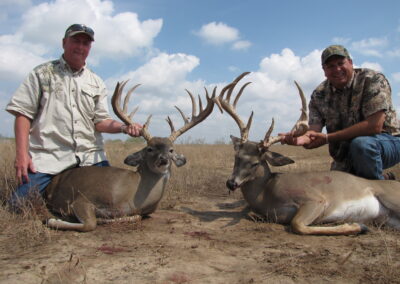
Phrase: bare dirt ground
x=207 y=238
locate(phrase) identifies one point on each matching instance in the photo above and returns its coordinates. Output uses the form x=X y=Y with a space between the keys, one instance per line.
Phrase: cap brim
x=81 y=32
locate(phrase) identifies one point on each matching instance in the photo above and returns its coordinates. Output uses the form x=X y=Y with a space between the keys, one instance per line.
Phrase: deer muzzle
x=231 y=184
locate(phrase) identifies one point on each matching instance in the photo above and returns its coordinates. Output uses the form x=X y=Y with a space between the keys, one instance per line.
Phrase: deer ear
x=236 y=142
x=275 y=159
x=179 y=160
x=134 y=159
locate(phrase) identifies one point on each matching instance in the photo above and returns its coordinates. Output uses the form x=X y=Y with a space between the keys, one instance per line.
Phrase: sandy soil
x=211 y=239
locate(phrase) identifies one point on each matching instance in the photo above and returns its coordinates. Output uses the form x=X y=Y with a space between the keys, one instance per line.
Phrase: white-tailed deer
x=81 y=196
x=310 y=198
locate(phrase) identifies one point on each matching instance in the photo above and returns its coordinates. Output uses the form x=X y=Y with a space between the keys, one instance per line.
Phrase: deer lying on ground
x=305 y=199
x=80 y=195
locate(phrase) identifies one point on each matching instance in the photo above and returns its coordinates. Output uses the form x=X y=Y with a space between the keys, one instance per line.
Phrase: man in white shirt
x=60 y=112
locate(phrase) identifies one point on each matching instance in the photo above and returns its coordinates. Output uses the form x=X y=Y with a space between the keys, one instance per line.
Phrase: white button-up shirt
x=64 y=107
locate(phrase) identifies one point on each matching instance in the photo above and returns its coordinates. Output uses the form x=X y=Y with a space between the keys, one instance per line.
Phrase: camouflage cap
x=334 y=50
x=79 y=29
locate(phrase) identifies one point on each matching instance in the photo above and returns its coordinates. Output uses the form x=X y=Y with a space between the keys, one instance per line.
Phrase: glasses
x=79 y=28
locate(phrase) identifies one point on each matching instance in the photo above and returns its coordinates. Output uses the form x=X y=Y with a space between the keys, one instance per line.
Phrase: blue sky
x=170 y=45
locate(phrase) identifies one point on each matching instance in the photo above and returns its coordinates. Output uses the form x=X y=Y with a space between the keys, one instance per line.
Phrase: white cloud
x=372 y=65
x=341 y=40
x=116 y=35
x=17 y=58
x=40 y=34
x=241 y=45
x=218 y=33
x=396 y=77
x=394 y=52
x=370 y=46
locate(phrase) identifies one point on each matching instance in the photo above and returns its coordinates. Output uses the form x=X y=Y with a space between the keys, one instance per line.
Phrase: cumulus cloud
x=219 y=34
x=370 y=46
x=396 y=77
x=118 y=35
x=241 y=45
x=372 y=65
x=17 y=57
x=40 y=34
x=163 y=80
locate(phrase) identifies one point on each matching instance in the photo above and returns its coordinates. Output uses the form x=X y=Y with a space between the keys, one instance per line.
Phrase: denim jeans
x=370 y=155
x=37 y=184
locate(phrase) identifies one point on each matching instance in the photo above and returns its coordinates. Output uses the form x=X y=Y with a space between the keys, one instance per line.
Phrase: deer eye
x=253 y=165
x=171 y=150
x=149 y=149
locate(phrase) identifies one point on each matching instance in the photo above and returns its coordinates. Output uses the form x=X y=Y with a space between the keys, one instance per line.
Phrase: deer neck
x=254 y=190
x=150 y=189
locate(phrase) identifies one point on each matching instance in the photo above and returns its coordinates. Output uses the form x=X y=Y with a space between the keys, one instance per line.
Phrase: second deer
x=305 y=200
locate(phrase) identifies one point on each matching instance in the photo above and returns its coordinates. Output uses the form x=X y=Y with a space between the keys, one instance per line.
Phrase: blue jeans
x=370 y=155
x=37 y=184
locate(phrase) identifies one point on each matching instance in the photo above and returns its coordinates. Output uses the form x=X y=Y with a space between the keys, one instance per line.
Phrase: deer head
x=249 y=155
x=159 y=151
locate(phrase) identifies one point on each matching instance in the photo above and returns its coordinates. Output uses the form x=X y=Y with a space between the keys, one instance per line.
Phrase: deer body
x=306 y=200
x=81 y=195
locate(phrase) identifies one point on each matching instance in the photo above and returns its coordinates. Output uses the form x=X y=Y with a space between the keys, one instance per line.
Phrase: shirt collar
x=67 y=68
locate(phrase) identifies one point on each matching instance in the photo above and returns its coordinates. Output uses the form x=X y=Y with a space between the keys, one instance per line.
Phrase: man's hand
x=133 y=130
x=288 y=138
x=23 y=164
x=310 y=140
x=317 y=139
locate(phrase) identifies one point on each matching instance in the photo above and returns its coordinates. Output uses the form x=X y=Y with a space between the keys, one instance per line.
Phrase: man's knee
x=362 y=145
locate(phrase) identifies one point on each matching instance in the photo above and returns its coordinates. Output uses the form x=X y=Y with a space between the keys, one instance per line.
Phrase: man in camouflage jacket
x=355 y=106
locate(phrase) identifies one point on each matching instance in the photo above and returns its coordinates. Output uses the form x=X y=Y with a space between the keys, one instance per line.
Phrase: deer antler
x=195 y=119
x=300 y=127
x=224 y=104
x=122 y=113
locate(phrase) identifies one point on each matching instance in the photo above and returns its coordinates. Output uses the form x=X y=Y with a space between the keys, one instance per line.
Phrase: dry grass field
x=199 y=234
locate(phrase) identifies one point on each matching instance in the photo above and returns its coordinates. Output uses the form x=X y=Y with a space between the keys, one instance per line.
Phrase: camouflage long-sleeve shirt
x=367 y=93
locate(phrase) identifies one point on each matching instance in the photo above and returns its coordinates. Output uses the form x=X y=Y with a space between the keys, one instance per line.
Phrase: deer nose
x=163 y=161
x=231 y=184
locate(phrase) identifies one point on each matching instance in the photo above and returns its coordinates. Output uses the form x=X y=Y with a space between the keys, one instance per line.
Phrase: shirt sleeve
x=376 y=95
x=101 y=108
x=26 y=98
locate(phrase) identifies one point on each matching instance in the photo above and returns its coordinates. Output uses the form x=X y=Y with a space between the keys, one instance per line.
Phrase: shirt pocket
x=89 y=97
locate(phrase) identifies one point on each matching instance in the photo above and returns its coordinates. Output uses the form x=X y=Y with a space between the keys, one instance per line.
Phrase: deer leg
x=311 y=211
x=84 y=212
x=390 y=199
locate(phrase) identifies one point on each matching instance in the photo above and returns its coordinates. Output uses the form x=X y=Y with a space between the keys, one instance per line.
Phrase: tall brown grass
x=205 y=174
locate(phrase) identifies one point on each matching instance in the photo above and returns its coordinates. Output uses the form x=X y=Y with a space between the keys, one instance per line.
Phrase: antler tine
x=116 y=103
x=145 y=129
x=240 y=93
x=300 y=127
x=128 y=96
x=122 y=113
x=195 y=119
x=234 y=82
x=268 y=141
x=224 y=104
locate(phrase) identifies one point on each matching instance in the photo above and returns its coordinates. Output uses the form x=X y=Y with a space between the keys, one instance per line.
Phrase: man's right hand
x=23 y=164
